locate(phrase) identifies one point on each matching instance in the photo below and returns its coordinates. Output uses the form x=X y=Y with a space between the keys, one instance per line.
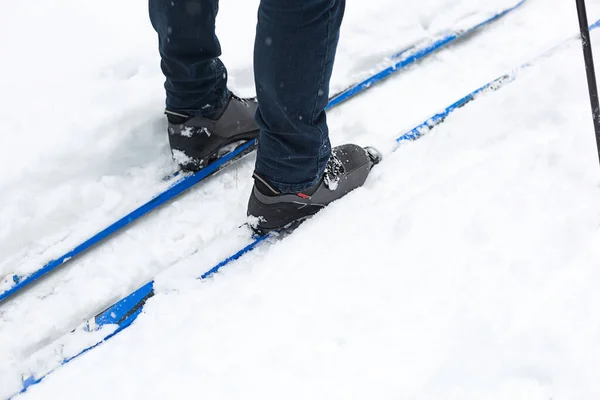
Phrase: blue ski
x=398 y=62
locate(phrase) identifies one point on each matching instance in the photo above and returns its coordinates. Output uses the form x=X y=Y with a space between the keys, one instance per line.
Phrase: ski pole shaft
x=589 y=67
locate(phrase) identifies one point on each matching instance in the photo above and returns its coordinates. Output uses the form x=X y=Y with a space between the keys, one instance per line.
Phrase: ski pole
x=589 y=67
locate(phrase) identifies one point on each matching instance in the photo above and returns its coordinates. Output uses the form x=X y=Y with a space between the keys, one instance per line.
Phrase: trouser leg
x=196 y=80
x=295 y=47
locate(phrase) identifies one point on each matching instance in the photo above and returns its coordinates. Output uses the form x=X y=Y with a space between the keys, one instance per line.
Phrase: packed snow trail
x=125 y=314
x=122 y=314
x=126 y=310
x=473 y=267
x=477 y=281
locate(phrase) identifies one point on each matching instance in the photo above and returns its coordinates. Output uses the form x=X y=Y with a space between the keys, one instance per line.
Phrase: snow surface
x=466 y=268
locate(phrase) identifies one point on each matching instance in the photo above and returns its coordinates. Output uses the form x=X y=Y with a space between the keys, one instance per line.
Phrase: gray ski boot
x=196 y=141
x=347 y=169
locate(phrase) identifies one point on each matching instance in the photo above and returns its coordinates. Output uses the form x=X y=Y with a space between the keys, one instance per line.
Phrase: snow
x=180 y=157
x=466 y=268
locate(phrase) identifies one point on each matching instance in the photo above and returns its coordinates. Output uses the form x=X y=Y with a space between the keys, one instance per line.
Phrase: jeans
x=294 y=51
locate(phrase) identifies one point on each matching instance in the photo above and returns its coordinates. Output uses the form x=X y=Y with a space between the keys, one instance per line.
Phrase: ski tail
x=187 y=182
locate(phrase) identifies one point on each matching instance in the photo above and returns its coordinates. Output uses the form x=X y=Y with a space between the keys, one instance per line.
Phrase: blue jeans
x=294 y=51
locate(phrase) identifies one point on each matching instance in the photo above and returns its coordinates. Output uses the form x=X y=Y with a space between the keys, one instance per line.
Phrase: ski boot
x=196 y=141
x=346 y=170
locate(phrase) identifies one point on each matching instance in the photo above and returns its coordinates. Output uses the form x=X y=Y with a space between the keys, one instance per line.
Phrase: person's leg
x=196 y=80
x=294 y=52
x=297 y=173
x=203 y=115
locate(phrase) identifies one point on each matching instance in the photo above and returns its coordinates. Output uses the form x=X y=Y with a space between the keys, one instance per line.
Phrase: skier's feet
x=196 y=141
x=346 y=170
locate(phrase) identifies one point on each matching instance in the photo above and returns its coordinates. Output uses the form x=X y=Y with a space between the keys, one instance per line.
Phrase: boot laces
x=333 y=171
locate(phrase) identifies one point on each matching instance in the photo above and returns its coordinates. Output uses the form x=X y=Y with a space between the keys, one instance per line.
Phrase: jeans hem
x=209 y=112
x=293 y=187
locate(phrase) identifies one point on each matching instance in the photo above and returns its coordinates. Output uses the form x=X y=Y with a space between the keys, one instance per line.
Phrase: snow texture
x=466 y=268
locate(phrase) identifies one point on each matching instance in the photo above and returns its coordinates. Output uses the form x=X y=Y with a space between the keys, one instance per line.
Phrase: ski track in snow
x=465 y=269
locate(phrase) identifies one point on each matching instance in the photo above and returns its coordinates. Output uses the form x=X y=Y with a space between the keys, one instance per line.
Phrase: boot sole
x=288 y=208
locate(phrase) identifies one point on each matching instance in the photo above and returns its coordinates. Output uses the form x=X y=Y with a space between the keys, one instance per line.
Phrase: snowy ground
x=465 y=269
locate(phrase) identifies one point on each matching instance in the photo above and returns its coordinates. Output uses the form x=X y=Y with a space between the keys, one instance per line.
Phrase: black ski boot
x=347 y=169
x=196 y=141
